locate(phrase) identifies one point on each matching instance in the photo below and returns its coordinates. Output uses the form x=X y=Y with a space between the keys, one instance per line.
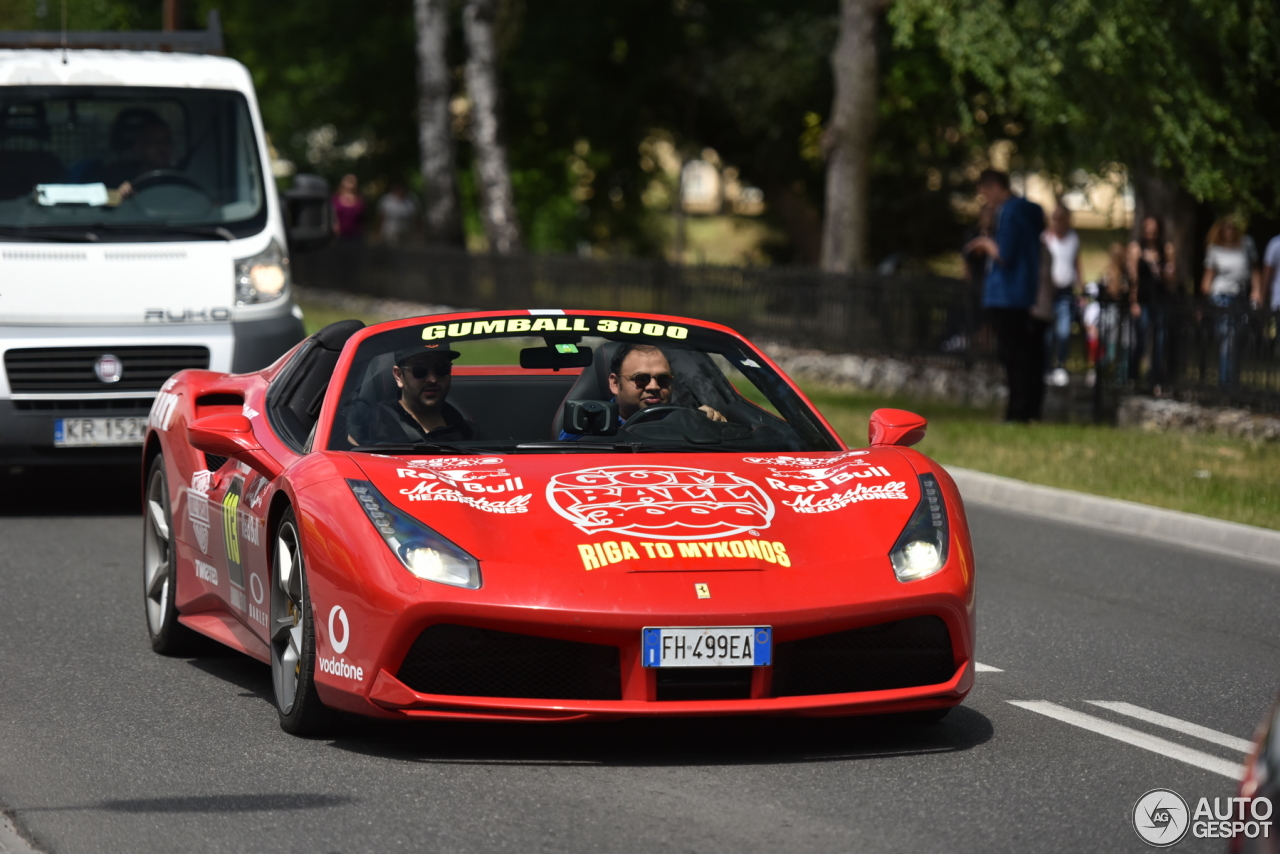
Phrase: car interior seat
x=592 y=384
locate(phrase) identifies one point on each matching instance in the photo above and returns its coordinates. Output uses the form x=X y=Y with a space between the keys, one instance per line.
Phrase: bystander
x=348 y=209
x=1063 y=244
x=397 y=214
x=1231 y=278
x=1152 y=269
x=1010 y=291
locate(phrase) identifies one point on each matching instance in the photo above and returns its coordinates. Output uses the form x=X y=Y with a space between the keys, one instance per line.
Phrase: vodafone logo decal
x=339 y=646
x=660 y=502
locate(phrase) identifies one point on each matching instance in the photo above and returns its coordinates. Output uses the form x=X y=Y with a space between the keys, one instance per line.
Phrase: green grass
x=1205 y=474
x=1209 y=475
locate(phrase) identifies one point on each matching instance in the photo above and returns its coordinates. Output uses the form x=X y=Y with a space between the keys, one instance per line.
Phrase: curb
x=10 y=841
x=1123 y=517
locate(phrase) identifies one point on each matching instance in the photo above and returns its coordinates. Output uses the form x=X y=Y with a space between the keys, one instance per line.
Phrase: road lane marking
x=1134 y=737
x=986 y=668
x=1185 y=727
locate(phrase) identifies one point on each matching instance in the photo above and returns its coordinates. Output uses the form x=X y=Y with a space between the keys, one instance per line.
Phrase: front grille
x=704 y=683
x=213 y=462
x=70 y=369
x=126 y=406
x=903 y=654
x=464 y=661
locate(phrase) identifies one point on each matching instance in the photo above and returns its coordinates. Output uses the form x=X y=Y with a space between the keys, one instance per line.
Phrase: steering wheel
x=157 y=177
x=645 y=414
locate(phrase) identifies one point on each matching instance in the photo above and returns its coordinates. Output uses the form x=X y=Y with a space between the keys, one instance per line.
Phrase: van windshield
x=124 y=163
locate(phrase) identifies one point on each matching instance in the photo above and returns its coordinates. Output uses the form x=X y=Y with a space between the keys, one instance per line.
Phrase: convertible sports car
x=613 y=515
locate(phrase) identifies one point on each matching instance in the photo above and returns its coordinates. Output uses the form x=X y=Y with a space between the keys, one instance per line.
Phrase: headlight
x=922 y=549
x=422 y=551
x=263 y=277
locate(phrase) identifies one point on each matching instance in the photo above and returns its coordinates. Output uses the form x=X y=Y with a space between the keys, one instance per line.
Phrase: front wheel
x=159 y=569
x=293 y=638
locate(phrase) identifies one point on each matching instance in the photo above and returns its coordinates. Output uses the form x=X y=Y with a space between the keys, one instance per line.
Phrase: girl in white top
x=1064 y=270
x=1231 y=264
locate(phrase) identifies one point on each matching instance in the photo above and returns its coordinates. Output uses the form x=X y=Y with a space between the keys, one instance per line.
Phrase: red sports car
x=552 y=515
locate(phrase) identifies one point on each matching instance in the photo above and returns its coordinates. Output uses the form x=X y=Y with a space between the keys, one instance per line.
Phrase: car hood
x=658 y=512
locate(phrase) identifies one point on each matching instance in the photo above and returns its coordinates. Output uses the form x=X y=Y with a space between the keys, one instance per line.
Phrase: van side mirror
x=896 y=427
x=231 y=435
x=308 y=214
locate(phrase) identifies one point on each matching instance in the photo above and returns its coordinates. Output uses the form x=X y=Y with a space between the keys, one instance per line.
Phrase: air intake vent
x=902 y=654
x=38 y=255
x=463 y=661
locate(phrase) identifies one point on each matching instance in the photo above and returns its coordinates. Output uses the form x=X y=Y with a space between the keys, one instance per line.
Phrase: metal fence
x=921 y=318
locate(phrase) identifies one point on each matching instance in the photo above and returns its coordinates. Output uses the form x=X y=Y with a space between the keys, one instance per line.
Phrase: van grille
x=70 y=369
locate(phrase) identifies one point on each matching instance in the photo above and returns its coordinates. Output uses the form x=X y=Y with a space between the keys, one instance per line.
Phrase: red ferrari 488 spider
x=552 y=515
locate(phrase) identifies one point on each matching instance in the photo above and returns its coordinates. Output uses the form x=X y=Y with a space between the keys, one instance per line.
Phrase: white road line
x=1132 y=736
x=1185 y=727
x=985 y=668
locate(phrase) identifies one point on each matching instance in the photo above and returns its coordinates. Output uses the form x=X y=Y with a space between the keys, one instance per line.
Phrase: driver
x=420 y=414
x=151 y=149
x=640 y=377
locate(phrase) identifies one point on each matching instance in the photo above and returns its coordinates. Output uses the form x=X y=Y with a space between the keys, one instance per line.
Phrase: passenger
x=421 y=413
x=640 y=377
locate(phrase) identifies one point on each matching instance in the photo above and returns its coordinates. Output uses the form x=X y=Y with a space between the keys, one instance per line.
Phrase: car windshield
x=123 y=163
x=575 y=383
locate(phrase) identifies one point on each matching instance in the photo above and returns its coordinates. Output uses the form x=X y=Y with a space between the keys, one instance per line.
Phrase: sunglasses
x=641 y=381
x=420 y=372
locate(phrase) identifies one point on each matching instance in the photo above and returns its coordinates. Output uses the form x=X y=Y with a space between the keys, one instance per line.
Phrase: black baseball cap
x=429 y=348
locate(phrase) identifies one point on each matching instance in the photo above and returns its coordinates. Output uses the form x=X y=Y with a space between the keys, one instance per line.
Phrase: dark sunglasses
x=420 y=372
x=641 y=381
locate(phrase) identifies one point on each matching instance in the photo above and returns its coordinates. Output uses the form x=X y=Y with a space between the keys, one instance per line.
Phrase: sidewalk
x=1123 y=517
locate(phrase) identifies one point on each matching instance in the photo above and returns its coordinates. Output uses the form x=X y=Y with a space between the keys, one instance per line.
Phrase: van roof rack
x=208 y=40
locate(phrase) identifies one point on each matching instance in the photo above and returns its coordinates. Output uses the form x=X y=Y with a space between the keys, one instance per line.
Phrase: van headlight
x=922 y=549
x=263 y=277
x=423 y=552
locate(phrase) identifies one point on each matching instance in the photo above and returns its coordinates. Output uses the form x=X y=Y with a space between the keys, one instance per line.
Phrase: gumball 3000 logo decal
x=660 y=502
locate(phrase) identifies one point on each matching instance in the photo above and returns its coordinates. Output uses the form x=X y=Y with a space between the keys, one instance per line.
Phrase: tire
x=159 y=569
x=293 y=641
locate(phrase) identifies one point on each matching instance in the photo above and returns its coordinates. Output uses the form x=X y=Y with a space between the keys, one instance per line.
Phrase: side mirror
x=896 y=427
x=231 y=435
x=308 y=214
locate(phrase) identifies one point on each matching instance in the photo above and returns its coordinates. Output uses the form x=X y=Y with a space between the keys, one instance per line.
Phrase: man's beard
x=415 y=404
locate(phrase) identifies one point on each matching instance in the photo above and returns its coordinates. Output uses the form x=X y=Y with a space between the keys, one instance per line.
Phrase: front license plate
x=708 y=646
x=96 y=432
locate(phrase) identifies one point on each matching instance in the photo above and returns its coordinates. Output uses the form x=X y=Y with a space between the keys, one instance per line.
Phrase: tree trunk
x=435 y=135
x=493 y=177
x=848 y=137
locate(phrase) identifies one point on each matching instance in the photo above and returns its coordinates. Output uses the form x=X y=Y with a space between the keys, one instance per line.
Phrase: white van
x=140 y=234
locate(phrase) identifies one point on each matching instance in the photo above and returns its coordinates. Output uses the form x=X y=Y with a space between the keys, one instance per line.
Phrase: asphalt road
x=106 y=747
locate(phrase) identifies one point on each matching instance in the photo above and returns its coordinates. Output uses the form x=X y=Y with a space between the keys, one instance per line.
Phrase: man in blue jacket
x=1009 y=292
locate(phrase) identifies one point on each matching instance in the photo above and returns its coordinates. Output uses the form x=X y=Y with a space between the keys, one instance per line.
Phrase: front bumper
x=26 y=433
x=873 y=656
x=390 y=694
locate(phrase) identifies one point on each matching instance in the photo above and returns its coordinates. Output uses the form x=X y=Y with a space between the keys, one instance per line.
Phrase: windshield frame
x=794 y=406
x=244 y=149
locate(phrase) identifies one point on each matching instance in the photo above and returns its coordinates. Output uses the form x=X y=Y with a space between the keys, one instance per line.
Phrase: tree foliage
x=1185 y=88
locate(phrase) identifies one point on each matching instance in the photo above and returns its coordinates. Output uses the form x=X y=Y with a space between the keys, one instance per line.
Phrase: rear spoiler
x=208 y=40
